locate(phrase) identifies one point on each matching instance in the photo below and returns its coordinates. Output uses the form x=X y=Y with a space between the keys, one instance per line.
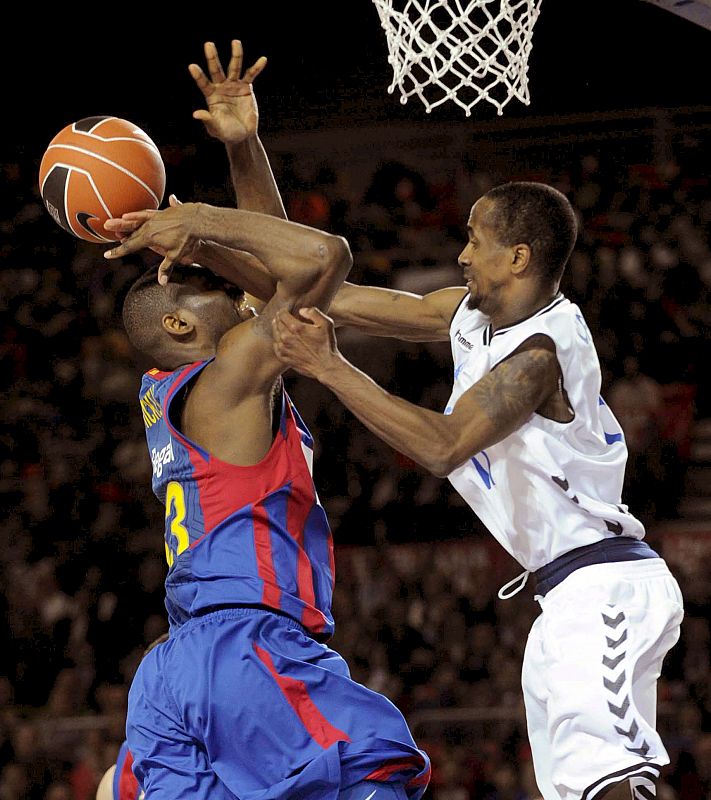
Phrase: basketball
x=96 y=169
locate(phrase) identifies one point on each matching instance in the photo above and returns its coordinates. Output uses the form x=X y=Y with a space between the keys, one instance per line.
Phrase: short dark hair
x=538 y=215
x=145 y=304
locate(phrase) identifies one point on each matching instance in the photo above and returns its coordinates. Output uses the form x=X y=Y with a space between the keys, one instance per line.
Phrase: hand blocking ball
x=96 y=169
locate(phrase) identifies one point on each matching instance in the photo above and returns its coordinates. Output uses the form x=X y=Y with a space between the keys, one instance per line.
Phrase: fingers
x=278 y=326
x=173 y=201
x=314 y=315
x=202 y=115
x=234 y=68
x=255 y=69
x=214 y=66
x=281 y=340
x=277 y=331
x=200 y=79
x=130 y=221
x=127 y=246
x=165 y=269
x=286 y=323
x=122 y=226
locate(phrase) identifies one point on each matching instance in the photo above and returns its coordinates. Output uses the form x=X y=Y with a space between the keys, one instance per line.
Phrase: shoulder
x=562 y=321
x=565 y=315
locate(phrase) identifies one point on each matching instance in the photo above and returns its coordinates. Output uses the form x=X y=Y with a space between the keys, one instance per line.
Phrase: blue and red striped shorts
x=243 y=703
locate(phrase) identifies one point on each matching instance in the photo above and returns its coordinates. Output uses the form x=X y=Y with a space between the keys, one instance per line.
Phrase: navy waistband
x=623 y=548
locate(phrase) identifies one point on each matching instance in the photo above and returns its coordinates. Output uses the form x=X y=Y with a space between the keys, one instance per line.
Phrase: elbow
x=322 y=267
x=438 y=469
x=441 y=468
x=335 y=256
x=441 y=460
x=320 y=273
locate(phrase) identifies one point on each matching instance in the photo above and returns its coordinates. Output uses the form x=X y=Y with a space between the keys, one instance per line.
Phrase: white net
x=462 y=51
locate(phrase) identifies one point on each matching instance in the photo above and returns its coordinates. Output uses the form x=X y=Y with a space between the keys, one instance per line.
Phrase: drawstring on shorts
x=520 y=579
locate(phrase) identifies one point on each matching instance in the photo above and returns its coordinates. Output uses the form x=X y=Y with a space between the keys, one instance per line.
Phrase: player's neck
x=520 y=308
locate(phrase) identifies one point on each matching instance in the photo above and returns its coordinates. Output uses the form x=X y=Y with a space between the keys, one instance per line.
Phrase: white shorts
x=590 y=674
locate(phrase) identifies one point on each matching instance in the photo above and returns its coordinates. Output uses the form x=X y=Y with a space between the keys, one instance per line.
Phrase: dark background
x=327 y=65
x=81 y=564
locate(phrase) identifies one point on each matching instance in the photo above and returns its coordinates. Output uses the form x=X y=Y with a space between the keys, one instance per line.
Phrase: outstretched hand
x=231 y=115
x=308 y=346
x=170 y=233
x=129 y=222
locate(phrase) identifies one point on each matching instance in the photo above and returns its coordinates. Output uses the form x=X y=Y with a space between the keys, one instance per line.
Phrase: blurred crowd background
x=82 y=564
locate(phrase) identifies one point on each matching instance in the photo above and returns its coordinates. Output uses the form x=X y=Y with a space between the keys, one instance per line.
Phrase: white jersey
x=549 y=487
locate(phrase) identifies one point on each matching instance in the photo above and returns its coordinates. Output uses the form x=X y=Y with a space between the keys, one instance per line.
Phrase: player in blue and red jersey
x=119 y=782
x=245 y=699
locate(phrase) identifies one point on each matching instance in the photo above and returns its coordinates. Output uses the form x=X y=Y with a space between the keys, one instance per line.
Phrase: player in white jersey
x=563 y=475
x=530 y=444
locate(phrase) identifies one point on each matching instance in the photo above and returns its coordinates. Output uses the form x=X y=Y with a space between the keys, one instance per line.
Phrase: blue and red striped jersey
x=237 y=535
x=125 y=786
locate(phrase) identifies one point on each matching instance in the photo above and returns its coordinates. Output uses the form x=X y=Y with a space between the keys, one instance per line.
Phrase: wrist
x=199 y=222
x=243 y=149
x=333 y=371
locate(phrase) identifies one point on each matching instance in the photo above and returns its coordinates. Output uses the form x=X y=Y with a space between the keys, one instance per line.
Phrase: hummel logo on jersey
x=161 y=457
x=464 y=343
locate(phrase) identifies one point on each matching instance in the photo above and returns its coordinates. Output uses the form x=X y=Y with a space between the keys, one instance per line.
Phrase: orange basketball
x=98 y=168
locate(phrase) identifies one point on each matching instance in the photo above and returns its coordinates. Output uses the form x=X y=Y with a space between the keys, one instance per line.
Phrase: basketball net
x=462 y=51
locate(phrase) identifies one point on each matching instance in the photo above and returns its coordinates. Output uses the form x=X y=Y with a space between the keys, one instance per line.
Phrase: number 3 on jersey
x=175 y=511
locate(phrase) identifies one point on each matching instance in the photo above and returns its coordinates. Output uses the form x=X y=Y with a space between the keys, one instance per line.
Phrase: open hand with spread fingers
x=231 y=114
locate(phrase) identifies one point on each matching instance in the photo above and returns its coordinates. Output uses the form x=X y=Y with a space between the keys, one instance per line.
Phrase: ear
x=520 y=258
x=177 y=323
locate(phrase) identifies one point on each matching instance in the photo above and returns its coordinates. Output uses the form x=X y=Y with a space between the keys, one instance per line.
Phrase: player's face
x=485 y=263
x=215 y=301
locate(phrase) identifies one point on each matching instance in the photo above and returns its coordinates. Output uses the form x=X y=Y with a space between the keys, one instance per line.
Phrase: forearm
x=252 y=178
x=293 y=254
x=240 y=268
x=419 y=433
x=389 y=312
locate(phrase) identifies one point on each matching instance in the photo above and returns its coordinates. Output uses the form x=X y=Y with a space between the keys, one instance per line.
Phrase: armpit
x=556 y=405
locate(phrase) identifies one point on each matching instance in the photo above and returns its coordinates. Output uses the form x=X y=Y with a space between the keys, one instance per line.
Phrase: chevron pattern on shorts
x=644 y=793
x=614 y=680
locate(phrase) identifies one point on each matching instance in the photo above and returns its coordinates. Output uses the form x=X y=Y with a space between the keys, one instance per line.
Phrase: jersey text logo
x=465 y=343
x=162 y=457
x=150 y=408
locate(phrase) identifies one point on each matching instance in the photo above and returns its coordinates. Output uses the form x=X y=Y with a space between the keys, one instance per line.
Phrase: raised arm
x=232 y=117
x=235 y=391
x=489 y=411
